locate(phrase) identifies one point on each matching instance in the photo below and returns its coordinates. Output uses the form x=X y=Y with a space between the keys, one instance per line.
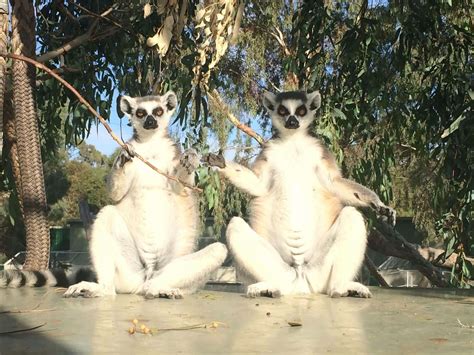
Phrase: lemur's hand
x=126 y=155
x=214 y=160
x=189 y=160
x=388 y=214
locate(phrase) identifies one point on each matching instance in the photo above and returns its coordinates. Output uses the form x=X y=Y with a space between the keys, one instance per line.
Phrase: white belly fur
x=294 y=213
x=151 y=209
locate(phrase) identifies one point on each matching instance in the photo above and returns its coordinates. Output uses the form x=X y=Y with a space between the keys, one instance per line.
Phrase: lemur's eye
x=140 y=113
x=301 y=111
x=158 y=111
x=282 y=111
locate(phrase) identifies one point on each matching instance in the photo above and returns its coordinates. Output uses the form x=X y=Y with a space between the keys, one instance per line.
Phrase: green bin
x=59 y=238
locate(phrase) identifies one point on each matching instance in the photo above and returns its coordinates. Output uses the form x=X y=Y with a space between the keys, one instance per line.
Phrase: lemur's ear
x=269 y=101
x=314 y=100
x=125 y=105
x=170 y=100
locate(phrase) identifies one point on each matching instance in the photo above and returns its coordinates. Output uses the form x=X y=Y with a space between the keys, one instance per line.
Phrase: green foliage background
x=395 y=76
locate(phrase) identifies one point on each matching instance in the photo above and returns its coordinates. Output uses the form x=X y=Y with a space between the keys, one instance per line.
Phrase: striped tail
x=51 y=278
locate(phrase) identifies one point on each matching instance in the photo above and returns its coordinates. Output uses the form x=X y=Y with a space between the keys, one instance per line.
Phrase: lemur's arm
x=255 y=182
x=349 y=192
x=121 y=175
x=185 y=166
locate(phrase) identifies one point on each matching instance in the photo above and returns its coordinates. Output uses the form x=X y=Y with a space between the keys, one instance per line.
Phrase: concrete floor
x=393 y=321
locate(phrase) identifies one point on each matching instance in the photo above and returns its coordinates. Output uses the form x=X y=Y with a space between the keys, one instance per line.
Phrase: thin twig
x=217 y=101
x=100 y=16
x=188 y=327
x=96 y=114
x=22 y=330
x=211 y=325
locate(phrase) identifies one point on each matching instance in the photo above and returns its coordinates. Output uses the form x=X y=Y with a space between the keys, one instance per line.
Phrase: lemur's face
x=149 y=113
x=292 y=111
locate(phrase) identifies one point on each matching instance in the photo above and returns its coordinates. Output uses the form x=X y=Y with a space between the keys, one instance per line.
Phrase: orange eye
x=282 y=111
x=301 y=111
x=140 y=113
x=158 y=111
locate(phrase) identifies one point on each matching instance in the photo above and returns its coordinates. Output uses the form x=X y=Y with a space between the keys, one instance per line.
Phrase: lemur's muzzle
x=292 y=123
x=150 y=123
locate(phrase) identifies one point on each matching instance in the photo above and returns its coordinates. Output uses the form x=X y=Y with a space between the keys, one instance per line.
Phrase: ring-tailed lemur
x=144 y=243
x=304 y=235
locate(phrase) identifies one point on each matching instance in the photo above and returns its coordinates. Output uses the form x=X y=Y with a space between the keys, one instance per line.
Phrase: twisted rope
x=3 y=48
x=27 y=133
x=6 y=106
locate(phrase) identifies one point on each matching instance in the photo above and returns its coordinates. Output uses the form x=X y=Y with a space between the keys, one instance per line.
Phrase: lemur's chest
x=150 y=199
x=295 y=209
x=160 y=154
x=293 y=165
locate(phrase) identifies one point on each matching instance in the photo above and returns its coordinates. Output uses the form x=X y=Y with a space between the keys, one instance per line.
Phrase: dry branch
x=217 y=101
x=96 y=114
x=433 y=255
x=391 y=243
x=374 y=272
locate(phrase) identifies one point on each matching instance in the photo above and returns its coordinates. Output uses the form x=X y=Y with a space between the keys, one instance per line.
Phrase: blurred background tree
x=395 y=76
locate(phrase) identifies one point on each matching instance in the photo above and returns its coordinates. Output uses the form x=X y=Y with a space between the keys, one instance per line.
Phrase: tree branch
x=96 y=114
x=374 y=272
x=76 y=42
x=433 y=255
x=391 y=243
x=217 y=101
x=100 y=16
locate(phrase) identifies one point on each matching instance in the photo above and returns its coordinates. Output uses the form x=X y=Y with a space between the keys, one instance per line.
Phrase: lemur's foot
x=126 y=155
x=190 y=160
x=152 y=289
x=170 y=293
x=388 y=214
x=214 y=160
x=87 y=290
x=352 y=289
x=263 y=289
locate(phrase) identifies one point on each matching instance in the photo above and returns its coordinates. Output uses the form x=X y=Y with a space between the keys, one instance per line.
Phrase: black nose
x=292 y=123
x=150 y=123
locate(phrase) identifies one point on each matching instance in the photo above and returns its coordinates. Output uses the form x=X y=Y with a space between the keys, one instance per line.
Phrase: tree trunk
x=32 y=189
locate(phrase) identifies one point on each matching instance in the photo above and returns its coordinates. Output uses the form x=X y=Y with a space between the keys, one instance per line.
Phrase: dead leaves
x=215 y=22
x=147 y=10
x=163 y=36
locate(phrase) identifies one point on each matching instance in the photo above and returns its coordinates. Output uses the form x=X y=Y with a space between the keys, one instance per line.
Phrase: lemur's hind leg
x=114 y=256
x=339 y=257
x=185 y=274
x=258 y=258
